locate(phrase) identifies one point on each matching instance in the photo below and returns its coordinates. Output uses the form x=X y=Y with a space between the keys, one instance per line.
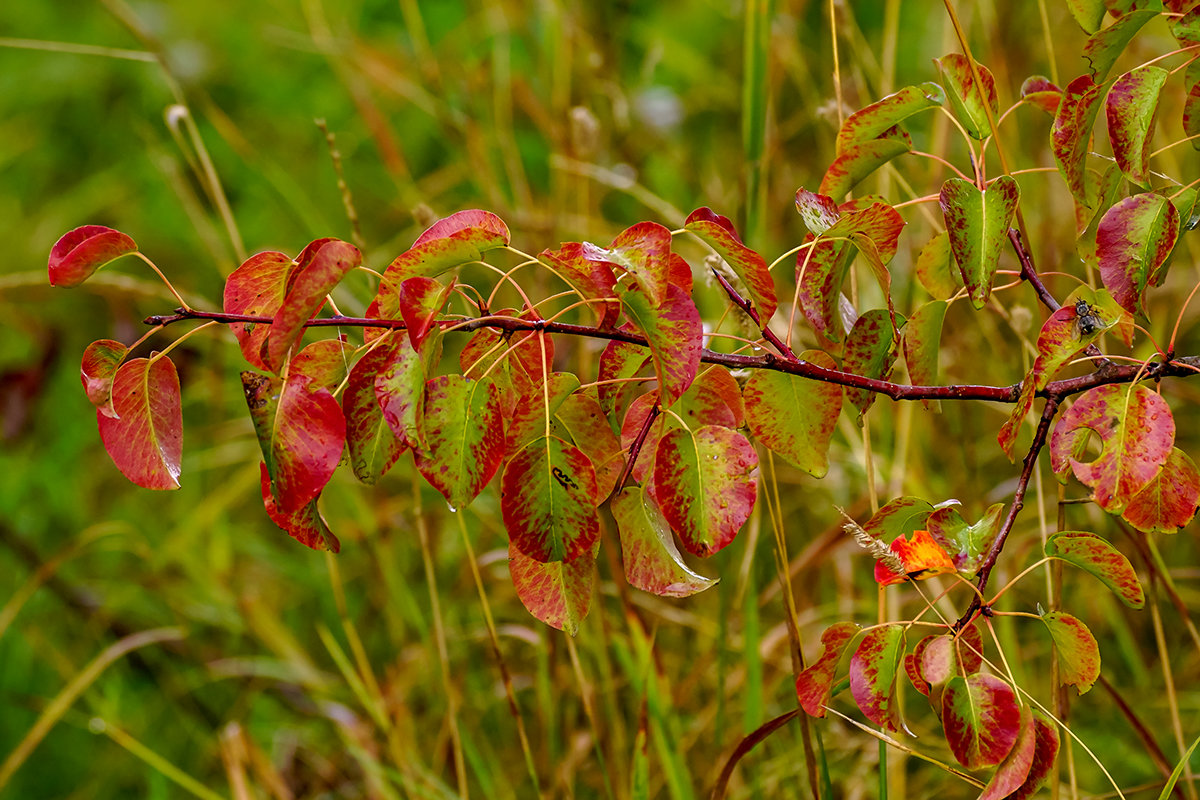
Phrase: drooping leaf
x=591 y=279
x=305 y=524
x=934 y=268
x=1097 y=557
x=373 y=444
x=1169 y=501
x=981 y=719
x=970 y=100
x=862 y=159
x=1014 y=769
x=80 y=252
x=1105 y=46
x=898 y=517
x=1133 y=241
x=704 y=482
x=643 y=251
x=315 y=277
x=1088 y=13
x=819 y=212
x=1045 y=752
x=99 y=367
x=1040 y=91
x=913 y=666
x=464 y=433
x=257 y=288
x=652 y=562
x=922 y=338
x=868 y=123
x=619 y=362
x=750 y=267
x=1131 y=107
x=548 y=499
x=584 y=420
x=400 y=391
x=821 y=268
x=421 y=301
x=557 y=593
x=813 y=685
x=1078 y=653
x=1071 y=132
x=1136 y=433
x=967 y=544
x=977 y=223
x=793 y=416
x=873 y=671
x=870 y=351
x=144 y=435
x=922 y=558
x=673 y=330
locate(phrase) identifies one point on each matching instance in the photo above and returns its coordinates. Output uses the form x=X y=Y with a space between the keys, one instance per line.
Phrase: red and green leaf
x=517 y=364
x=705 y=484
x=1105 y=46
x=482 y=229
x=652 y=561
x=978 y=223
x=305 y=524
x=981 y=719
x=421 y=301
x=818 y=211
x=592 y=280
x=1088 y=13
x=922 y=558
x=318 y=271
x=1133 y=241
x=325 y=362
x=873 y=671
x=935 y=270
x=966 y=543
x=635 y=419
x=714 y=398
x=257 y=288
x=144 y=434
x=1040 y=91
x=750 y=267
x=814 y=684
x=673 y=331
x=1169 y=501
x=1014 y=769
x=1097 y=557
x=821 y=269
x=922 y=339
x=898 y=517
x=534 y=415
x=400 y=390
x=870 y=352
x=1131 y=108
x=862 y=159
x=79 y=253
x=643 y=251
x=969 y=99
x=548 y=499
x=1045 y=751
x=100 y=362
x=1078 y=653
x=1071 y=133
x=557 y=593
x=373 y=444
x=464 y=433
x=868 y=123
x=620 y=362
x=584 y=421
x=793 y=416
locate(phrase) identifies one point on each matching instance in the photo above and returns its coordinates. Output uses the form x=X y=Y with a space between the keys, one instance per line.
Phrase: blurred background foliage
x=371 y=674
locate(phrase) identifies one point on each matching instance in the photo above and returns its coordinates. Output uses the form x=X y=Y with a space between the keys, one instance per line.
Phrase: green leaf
x=922 y=338
x=862 y=159
x=1136 y=433
x=793 y=416
x=978 y=223
x=319 y=270
x=100 y=362
x=79 y=253
x=967 y=544
x=1097 y=557
x=1133 y=242
x=867 y=124
x=873 y=670
x=548 y=499
x=1071 y=133
x=652 y=562
x=537 y=409
x=750 y=267
x=144 y=434
x=1078 y=653
x=373 y=444
x=1131 y=107
x=704 y=482
x=305 y=524
x=557 y=593
x=969 y=104
x=672 y=329
x=1169 y=501
x=813 y=685
x=934 y=268
x=898 y=517
x=981 y=719
x=1105 y=46
x=870 y=352
x=1088 y=13
x=464 y=430
x=1191 y=114
x=400 y=390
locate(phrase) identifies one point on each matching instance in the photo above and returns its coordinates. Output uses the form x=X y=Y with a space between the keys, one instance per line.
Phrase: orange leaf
x=922 y=558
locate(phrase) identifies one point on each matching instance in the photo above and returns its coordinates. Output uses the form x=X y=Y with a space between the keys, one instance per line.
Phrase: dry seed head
x=872 y=545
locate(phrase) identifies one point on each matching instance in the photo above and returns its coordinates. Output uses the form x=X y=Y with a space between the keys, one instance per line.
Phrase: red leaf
x=714 y=398
x=584 y=421
x=593 y=280
x=1071 y=132
x=79 y=253
x=548 y=499
x=515 y=363
x=814 y=683
x=873 y=671
x=750 y=267
x=421 y=300
x=818 y=211
x=557 y=593
x=1014 y=769
x=652 y=561
x=793 y=416
x=981 y=718
x=100 y=362
x=1045 y=751
x=922 y=557
x=482 y=228
x=144 y=438
x=643 y=251
x=1041 y=92
x=464 y=429
x=635 y=419
x=1131 y=107
x=1099 y=558
x=1133 y=241
x=326 y=363
x=257 y=288
x=1078 y=653
x=305 y=524
x=673 y=330
x=374 y=445
x=313 y=280
x=1169 y=501
x=400 y=391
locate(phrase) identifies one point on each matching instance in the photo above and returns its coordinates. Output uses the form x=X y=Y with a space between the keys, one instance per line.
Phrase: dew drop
x=453 y=510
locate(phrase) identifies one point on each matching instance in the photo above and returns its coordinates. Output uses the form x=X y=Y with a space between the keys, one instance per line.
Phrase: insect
x=1087 y=321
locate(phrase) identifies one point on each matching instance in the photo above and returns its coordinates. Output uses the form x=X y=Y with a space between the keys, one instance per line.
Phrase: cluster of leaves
x=668 y=430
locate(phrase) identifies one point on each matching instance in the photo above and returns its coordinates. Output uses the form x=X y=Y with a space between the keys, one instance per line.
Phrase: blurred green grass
x=570 y=120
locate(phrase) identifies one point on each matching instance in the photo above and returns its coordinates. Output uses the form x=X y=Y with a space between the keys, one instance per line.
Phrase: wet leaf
x=557 y=593
x=548 y=499
x=970 y=100
x=1136 y=431
x=1071 y=132
x=1105 y=46
x=144 y=436
x=100 y=362
x=421 y=301
x=315 y=277
x=1014 y=769
x=1133 y=241
x=793 y=416
x=870 y=352
x=79 y=253
x=1097 y=557
x=373 y=444
x=981 y=718
x=1169 y=501
x=652 y=561
x=673 y=330
x=978 y=223
x=305 y=524
x=705 y=484
x=922 y=557
x=644 y=251
x=873 y=671
x=813 y=685
x=464 y=431
x=591 y=279
x=750 y=267
x=1131 y=107
x=868 y=123
x=1078 y=654
x=257 y=288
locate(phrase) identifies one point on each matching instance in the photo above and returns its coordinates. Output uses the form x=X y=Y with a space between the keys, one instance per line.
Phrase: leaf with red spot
x=593 y=280
x=515 y=363
x=301 y=432
x=793 y=416
x=1040 y=91
x=978 y=225
x=1133 y=241
x=1105 y=46
x=1078 y=653
x=584 y=421
x=557 y=593
x=421 y=301
x=1097 y=557
x=619 y=363
x=1071 y=132
x=819 y=212
x=705 y=484
x=1169 y=501
x=537 y=409
x=318 y=271
x=548 y=499
x=750 y=267
x=373 y=444
x=643 y=251
x=257 y=288
x=1045 y=752
x=100 y=362
x=861 y=159
x=79 y=253
x=1191 y=114
x=1088 y=13
x=821 y=269
x=1136 y=432
x=400 y=389
x=873 y=671
x=935 y=268
x=464 y=433
x=305 y=524
x=870 y=352
x=814 y=684
x=673 y=331
x=868 y=123
x=714 y=398
x=1062 y=336
x=922 y=342
x=635 y=420
x=966 y=543
x=898 y=517
x=652 y=561
x=1131 y=108
x=937 y=658
x=1014 y=769
x=483 y=229
x=981 y=718
x=922 y=558
x=970 y=99
x=326 y=363
x=144 y=436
